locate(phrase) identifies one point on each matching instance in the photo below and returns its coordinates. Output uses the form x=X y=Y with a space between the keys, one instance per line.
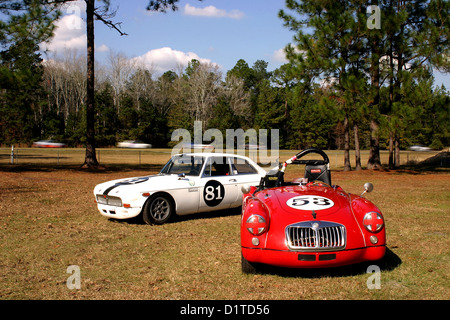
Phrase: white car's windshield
x=189 y=165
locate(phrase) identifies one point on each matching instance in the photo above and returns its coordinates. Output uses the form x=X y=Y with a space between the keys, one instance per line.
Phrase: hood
x=301 y=203
x=293 y=204
x=137 y=184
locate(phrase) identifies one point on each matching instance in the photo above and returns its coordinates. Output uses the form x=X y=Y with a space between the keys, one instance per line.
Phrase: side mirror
x=245 y=189
x=368 y=187
x=181 y=176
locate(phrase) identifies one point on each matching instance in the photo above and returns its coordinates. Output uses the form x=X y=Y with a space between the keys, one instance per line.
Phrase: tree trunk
x=397 y=152
x=347 y=166
x=374 y=155
x=357 y=148
x=391 y=150
x=90 y=158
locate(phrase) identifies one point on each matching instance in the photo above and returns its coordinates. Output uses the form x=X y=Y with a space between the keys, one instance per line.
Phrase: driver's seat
x=318 y=172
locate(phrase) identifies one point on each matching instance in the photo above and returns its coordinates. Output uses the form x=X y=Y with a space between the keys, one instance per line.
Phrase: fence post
x=12 y=154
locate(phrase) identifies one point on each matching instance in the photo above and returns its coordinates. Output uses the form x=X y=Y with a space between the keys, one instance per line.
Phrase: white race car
x=188 y=183
x=134 y=144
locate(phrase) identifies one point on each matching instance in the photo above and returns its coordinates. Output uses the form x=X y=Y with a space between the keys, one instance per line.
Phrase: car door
x=244 y=173
x=184 y=182
x=219 y=188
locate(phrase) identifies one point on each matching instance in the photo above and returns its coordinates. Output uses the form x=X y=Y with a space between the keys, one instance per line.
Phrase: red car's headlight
x=373 y=221
x=256 y=224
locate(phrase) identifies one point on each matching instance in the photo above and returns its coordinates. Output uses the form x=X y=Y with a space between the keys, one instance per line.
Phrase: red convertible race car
x=309 y=223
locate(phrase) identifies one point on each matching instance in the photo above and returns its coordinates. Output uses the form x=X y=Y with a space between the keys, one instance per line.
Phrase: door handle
x=233 y=180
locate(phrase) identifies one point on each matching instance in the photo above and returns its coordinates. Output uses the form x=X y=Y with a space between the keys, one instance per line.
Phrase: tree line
x=346 y=85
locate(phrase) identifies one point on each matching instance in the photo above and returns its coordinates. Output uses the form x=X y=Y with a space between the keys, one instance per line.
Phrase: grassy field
x=49 y=221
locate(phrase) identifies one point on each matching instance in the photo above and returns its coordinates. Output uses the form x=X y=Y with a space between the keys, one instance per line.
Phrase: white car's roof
x=211 y=154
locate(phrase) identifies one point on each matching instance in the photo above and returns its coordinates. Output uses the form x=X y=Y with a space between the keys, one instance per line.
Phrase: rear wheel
x=158 y=209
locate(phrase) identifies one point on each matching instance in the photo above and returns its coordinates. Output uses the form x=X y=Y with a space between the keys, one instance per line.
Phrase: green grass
x=49 y=221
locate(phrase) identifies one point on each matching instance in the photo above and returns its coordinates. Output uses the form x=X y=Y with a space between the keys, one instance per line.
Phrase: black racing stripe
x=109 y=189
x=125 y=183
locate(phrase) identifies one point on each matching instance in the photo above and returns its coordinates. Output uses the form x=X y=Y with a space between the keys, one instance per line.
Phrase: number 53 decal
x=309 y=202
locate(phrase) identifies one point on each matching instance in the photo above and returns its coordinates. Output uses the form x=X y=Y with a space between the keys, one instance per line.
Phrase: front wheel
x=158 y=210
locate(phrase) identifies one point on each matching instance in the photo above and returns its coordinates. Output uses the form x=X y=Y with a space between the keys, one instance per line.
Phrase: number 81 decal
x=309 y=202
x=213 y=193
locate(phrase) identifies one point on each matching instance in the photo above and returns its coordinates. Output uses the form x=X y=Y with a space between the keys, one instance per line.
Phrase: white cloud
x=279 y=56
x=102 y=48
x=70 y=31
x=165 y=59
x=69 y=34
x=212 y=11
x=77 y=7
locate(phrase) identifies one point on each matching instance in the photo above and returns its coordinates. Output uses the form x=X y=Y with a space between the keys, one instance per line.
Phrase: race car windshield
x=189 y=165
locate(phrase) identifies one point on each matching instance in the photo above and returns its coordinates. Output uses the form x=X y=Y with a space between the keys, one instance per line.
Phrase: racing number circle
x=310 y=202
x=213 y=193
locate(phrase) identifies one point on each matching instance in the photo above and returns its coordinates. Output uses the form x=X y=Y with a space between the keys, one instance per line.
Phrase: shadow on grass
x=389 y=262
x=188 y=217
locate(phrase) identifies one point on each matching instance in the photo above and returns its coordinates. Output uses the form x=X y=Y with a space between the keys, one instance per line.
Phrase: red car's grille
x=316 y=236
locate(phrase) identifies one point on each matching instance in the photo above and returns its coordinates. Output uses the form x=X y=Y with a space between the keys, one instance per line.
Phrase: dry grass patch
x=49 y=221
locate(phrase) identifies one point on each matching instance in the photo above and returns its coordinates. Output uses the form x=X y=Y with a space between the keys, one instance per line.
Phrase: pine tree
x=22 y=98
x=329 y=45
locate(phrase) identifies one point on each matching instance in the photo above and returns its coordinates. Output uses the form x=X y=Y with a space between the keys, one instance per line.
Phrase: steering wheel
x=297 y=159
x=318 y=183
x=301 y=154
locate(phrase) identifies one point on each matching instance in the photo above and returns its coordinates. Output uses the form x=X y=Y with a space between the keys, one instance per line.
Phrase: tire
x=158 y=209
x=248 y=267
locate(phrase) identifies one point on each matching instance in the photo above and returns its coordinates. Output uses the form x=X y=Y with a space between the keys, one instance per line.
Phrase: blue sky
x=215 y=31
